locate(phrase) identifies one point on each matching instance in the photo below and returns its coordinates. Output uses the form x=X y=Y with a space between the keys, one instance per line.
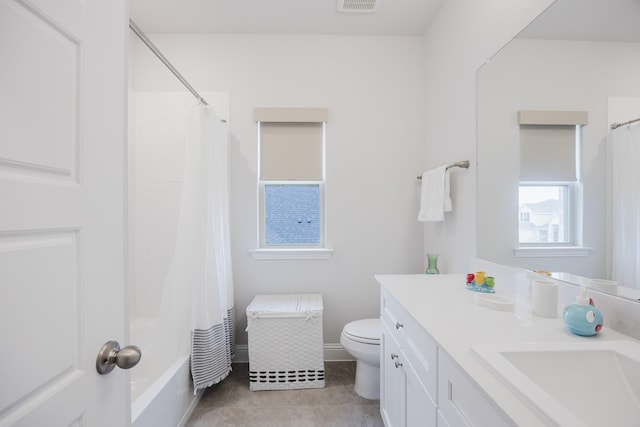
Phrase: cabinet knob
x=398 y=364
x=394 y=356
x=399 y=325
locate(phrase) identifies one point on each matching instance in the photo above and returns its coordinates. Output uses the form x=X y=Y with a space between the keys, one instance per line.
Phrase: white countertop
x=445 y=308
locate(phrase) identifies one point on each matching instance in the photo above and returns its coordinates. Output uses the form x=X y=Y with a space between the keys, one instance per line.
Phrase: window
x=291 y=181
x=549 y=207
x=545 y=213
x=292 y=214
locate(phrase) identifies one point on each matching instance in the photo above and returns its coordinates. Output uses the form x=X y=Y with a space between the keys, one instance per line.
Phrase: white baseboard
x=242 y=353
x=333 y=352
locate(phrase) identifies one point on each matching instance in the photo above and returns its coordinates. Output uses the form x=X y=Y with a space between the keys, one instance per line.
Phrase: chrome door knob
x=111 y=355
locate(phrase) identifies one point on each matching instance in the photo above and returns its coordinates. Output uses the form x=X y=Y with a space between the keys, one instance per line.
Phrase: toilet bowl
x=361 y=339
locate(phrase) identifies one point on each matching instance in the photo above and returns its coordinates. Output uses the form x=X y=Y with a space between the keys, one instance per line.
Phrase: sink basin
x=590 y=383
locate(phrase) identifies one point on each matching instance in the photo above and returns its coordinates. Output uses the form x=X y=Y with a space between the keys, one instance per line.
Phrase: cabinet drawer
x=461 y=403
x=419 y=347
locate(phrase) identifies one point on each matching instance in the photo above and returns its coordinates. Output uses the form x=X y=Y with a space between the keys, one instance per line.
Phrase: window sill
x=546 y=251
x=290 y=253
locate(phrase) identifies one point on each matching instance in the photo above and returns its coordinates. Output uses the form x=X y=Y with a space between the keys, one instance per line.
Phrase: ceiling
x=590 y=20
x=393 y=17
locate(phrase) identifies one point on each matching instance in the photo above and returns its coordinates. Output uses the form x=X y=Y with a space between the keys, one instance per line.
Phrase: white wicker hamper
x=285 y=342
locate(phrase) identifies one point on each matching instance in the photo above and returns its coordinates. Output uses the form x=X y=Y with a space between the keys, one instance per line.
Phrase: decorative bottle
x=432 y=266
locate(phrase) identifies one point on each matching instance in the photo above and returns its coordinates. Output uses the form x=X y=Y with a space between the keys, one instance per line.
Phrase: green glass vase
x=432 y=264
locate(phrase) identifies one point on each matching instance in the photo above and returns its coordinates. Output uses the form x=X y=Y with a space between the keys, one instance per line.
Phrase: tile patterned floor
x=232 y=404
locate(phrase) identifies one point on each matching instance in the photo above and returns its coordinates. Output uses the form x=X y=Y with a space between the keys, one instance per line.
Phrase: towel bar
x=462 y=164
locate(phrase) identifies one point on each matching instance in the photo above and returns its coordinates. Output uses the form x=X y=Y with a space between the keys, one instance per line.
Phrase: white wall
x=463 y=35
x=548 y=75
x=373 y=88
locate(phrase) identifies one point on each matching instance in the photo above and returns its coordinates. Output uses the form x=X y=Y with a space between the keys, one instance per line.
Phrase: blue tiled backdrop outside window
x=292 y=213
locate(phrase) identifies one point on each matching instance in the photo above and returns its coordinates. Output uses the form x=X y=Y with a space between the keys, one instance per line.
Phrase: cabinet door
x=420 y=409
x=392 y=393
x=461 y=402
x=442 y=421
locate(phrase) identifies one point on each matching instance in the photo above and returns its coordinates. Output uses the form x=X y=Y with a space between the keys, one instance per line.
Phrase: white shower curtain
x=625 y=262
x=201 y=266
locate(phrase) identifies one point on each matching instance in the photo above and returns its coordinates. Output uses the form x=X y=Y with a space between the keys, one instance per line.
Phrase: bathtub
x=159 y=399
x=168 y=401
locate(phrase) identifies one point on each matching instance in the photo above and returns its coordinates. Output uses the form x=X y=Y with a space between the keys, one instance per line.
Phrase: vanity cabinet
x=408 y=369
x=421 y=386
x=460 y=402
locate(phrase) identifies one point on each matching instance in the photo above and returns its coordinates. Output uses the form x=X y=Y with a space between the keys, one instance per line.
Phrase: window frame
x=291 y=252
x=575 y=204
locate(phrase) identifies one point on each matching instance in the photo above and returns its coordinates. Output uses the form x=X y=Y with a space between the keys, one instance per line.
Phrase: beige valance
x=291 y=115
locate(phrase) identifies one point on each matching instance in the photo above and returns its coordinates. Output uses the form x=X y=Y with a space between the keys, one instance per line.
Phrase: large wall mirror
x=582 y=57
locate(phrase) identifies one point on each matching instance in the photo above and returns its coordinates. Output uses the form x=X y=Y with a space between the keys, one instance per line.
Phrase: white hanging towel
x=434 y=198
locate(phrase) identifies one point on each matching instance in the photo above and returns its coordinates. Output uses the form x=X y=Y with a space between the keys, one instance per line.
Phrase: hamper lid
x=285 y=305
x=367 y=329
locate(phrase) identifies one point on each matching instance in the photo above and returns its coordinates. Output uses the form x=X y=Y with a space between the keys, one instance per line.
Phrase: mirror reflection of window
x=550 y=147
x=544 y=213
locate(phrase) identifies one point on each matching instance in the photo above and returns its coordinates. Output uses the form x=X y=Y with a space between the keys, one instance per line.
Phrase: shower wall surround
x=157 y=162
x=156 y=166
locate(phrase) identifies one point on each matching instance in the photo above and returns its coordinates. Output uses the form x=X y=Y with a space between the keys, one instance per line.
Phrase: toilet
x=361 y=339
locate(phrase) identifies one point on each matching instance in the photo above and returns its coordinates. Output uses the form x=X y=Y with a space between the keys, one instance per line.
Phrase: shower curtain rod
x=164 y=60
x=617 y=125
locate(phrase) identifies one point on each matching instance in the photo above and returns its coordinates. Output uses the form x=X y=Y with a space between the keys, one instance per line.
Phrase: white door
x=62 y=119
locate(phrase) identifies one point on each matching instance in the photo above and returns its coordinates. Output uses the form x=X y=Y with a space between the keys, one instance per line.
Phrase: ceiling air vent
x=358 y=6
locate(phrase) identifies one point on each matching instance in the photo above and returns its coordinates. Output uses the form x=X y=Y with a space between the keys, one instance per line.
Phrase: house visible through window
x=544 y=213
x=549 y=206
x=291 y=177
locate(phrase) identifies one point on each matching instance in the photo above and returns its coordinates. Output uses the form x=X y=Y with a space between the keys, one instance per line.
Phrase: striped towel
x=211 y=352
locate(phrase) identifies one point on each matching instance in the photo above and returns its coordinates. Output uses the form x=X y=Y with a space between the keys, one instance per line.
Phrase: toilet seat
x=366 y=331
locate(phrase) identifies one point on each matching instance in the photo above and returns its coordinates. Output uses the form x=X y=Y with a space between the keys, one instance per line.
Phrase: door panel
x=62 y=117
x=42 y=96
x=41 y=268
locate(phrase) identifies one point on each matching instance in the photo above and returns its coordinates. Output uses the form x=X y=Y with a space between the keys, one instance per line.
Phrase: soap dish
x=494 y=302
x=482 y=287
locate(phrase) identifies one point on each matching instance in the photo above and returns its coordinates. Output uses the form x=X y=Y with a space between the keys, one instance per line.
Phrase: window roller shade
x=291 y=151
x=548 y=144
x=547 y=153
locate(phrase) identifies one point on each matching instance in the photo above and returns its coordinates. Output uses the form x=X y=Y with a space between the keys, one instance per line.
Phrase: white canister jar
x=544 y=298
